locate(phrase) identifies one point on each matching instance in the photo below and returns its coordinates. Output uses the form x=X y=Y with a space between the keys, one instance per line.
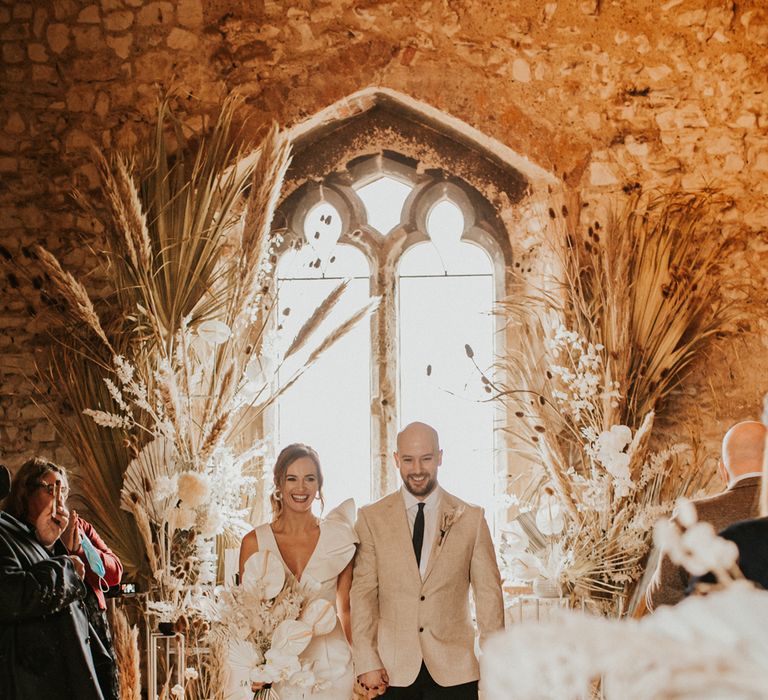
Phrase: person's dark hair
x=25 y=481
x=5 y=481
x=288 y=455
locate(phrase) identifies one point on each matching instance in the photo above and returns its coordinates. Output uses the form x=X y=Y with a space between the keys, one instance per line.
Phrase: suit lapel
x=447 y=504
x=401 y=531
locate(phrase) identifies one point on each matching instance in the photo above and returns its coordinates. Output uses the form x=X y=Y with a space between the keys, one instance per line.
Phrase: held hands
x=50 y=526
x=71 y=535
x=374 y=683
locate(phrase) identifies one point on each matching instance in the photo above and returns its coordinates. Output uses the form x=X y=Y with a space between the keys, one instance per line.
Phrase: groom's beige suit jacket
x=398 y=620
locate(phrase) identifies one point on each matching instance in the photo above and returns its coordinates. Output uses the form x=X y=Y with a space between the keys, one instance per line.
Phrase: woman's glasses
x=54 y=489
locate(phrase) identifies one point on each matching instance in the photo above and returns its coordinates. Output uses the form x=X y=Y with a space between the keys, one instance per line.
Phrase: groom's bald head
x=420 y=431
x=418 y=456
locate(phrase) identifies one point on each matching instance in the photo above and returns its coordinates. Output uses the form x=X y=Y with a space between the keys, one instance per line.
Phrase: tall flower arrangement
x=632 y=306
x=178 y=364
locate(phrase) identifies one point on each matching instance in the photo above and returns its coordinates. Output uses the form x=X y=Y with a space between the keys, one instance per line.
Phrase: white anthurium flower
x=304 y=678
x=685 y=512
x=264 y=569
x=243 y=656
x=525 y=567
x=291 y=637
x=320 y=615
x=281 y=665
x=214 y=332
x=549 y=518
x=266 y=673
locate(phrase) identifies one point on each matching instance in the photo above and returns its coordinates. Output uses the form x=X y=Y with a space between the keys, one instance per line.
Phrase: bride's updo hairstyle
x=288 y=455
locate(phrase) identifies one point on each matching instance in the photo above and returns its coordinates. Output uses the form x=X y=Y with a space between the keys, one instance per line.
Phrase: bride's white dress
x=329 y=654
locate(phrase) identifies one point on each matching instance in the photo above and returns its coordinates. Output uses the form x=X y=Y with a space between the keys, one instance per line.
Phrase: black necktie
x=418 y=533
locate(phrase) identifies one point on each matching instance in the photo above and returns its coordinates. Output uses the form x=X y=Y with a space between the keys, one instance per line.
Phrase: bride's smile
x=301 y=485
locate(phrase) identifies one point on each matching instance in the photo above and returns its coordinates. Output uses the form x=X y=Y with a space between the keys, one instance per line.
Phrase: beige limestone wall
x=602 y=94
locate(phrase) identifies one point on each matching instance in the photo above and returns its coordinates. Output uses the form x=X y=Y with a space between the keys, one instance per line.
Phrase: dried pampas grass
x=125 y=640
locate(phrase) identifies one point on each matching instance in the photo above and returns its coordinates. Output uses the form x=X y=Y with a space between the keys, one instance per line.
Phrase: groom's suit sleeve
x=364 y=598
x=486 y=583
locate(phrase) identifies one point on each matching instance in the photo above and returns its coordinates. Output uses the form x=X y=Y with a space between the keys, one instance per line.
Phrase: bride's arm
x=249 y=546
x=343 y=584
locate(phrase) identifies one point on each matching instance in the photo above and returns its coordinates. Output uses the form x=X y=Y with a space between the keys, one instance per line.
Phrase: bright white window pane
x=329 y=406
x=322 y=228
x=461 y=258
x=341 y=261
x=438 y=316
x=445 y=220
x=384 y=199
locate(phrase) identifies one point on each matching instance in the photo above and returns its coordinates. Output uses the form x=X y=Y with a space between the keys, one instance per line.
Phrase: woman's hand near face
x=70 y=537
x=48 y=527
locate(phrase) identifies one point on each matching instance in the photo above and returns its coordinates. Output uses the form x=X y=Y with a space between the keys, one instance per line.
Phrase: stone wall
x=604 y=95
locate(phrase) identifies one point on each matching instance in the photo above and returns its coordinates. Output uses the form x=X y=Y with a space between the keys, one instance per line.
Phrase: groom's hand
x=374 y=683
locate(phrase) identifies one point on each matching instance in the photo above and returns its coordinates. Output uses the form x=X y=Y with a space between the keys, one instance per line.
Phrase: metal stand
x=170 y=646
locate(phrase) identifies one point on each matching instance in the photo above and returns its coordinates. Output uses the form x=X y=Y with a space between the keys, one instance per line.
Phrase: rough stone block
x=80 y=98
x=88 y=39
x=13 y=53
x=182 y=40
x=37 y=53
x=118 y=21
x=155 y=13
x=15 y=124
x=43 y=432
x=756 y=24
x=121 y=45
x=189 y=13
x=521 y=70
x=58 y=37
x=734 y=163
x=89 y=15
x=63 y=9
x=601 y=175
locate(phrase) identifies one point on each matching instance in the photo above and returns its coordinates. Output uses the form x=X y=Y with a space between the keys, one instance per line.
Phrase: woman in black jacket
x=47 y=648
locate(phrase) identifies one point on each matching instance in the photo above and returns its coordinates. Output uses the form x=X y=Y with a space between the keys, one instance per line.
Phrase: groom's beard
x=423 y=488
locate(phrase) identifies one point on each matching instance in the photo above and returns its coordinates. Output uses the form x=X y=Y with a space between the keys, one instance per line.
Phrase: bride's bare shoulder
x=250 y=544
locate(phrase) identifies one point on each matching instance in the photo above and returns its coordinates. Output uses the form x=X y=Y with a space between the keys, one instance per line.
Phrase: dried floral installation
x=169 y=376
x=633 y=306
x=710 y=646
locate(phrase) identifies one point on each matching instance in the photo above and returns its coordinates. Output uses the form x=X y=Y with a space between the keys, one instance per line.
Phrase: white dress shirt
x=431 y=512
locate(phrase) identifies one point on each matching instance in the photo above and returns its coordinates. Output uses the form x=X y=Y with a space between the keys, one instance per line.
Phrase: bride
x=318 y=552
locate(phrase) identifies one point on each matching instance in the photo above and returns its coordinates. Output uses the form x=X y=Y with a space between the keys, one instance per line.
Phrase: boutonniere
x=449 y=518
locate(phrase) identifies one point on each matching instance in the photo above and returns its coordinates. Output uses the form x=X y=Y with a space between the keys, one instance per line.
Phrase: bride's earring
x=318 y=496
x=278 y=495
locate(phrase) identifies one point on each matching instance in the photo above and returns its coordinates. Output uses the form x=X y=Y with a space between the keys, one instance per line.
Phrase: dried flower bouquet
x=596 y=357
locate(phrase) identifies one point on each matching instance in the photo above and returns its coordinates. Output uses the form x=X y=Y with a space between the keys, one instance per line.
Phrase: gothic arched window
x=417 y=208
x=425 y=243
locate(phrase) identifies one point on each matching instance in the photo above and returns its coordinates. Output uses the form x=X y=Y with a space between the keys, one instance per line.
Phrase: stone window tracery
x=422 y=241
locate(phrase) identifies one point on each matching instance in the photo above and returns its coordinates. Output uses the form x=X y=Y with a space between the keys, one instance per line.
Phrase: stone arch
x=375 y=120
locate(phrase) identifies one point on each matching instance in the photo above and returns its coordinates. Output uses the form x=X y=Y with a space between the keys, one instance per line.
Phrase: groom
x=420 y=551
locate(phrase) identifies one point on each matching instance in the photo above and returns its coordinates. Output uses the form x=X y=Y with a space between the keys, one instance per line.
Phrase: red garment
x=112 y=565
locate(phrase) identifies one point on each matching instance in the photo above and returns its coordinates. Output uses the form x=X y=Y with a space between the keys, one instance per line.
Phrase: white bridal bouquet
x=266 y=623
